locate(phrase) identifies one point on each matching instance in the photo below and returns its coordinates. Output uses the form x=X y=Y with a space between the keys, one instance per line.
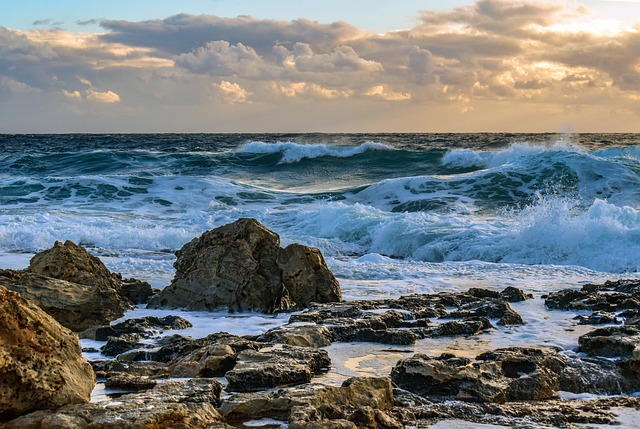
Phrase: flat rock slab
x=276 y=366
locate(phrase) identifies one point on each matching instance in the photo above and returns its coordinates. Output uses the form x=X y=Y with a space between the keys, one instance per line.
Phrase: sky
x=331 y=66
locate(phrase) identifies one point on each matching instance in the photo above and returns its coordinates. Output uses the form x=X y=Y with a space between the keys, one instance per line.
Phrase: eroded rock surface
x=41 y=365
x=70 y=284
x=240 y=266
x=173 y=404
x=511 y=374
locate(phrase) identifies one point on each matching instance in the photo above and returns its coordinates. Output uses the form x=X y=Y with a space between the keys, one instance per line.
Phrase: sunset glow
x=462 y=69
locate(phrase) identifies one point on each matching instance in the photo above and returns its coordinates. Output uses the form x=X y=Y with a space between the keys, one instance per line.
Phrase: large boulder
x=70 y=284
x=41 y=363
x=306 y=276
x=241 y=267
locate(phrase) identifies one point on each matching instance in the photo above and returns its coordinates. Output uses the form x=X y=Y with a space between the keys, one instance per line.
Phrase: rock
x=513 y=294
x=322 y=405
x=301 y=336
x=267 y=368
x=598 y=318
x=306 y=276
x=129 y=382
x=232 y=267
x=574 y=414
x=172 y=404
x=511 y=374
x=569 y=299
x=73 y=264
x=118 y=345
x=454 y=328
x=212 y=360
x=144 y=326
x=136 y=291
x=71 y=285
x=620 y=342
x=41 y=364
x=241 y=267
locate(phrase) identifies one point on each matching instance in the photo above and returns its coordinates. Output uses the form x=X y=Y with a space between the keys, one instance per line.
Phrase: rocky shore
x=283 y=377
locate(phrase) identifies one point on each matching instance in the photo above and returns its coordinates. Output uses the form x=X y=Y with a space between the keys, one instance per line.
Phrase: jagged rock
x=302 y=336
x=322 y=405
x=240 y=266
x=598 y=318
x=454 y=328
x=129 y=382
x=74 y=264
x=571 y=414
x=212 y=360
x=136 y=291
x=613 y=341
x=118 y=345
x=71 y=285
x=144 y=326
x=306 y=276
x=41 y=364
x=510 y=374
x=267 y=368
x=172 y=404
x=569 y=299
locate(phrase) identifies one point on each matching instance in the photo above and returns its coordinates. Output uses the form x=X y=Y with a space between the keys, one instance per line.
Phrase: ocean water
x=392 y=213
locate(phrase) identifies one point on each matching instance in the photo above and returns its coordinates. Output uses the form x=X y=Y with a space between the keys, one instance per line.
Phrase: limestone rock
x=172 y=404
x=324 y=406
x=232 y=267
x=511 y=374
x=267 y=368
x=306 y=276
x=71 y=285
x=136 y=291
x=241 y=267
x=41 y=364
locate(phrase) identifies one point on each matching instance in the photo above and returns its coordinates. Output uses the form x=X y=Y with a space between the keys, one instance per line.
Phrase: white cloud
x=232 y=92
x=108 y=97
x=380 y=91
x=219 y=58
x=298 y=89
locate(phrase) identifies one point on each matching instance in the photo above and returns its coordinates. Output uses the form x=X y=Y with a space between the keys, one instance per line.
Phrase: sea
x=393 y=214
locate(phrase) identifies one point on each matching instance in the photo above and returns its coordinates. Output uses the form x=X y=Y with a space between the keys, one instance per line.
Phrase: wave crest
x=295 y=152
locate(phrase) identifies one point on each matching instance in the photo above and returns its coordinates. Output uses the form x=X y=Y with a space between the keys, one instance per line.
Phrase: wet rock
x=136 y=291
x=212 y=360
x=598 y=318
x=71 y=285
x=302 y=336
x=321 y=405
x=454 y=328
x=129 y=382
x=306 y=276
x=513 y=294
x=145 y=327
x=118 y=345
x=180 y=404
x=267 y=368
x=569 y=299
x=621 y=342
x=41 y=364
x=572 y=414
x=512 y=374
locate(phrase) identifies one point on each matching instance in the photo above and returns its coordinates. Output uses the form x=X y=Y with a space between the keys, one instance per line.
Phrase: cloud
x=108 y=97
x=380 y=91
x=181 y=33
x=342 y=58
x=232 y=92
x=301 y=89
x=219 y=58
x=544 y=54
